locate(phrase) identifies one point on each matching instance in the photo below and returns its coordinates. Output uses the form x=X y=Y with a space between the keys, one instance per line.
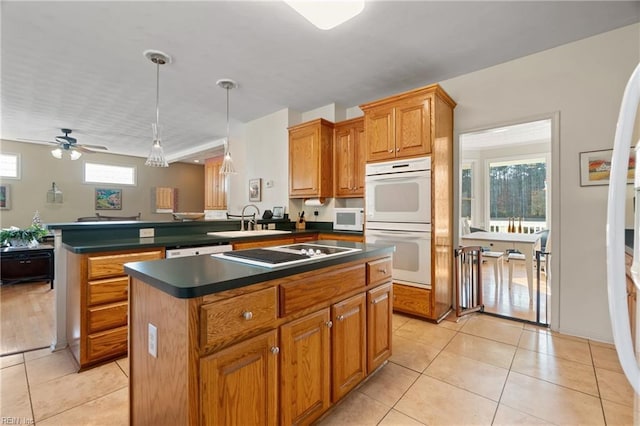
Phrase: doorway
x=505 y=188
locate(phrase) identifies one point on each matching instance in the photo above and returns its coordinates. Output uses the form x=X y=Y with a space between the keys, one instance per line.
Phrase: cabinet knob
x=397 y=149
x=329 y=324
x=275 y=350
x=247 y=315
x=390 y=150
x=340 y=317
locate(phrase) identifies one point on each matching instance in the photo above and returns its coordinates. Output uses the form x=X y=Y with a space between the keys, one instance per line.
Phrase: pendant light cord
x=227 y=121
x=158 y=99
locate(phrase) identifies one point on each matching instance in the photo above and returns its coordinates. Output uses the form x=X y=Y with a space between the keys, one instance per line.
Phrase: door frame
x=553 y=208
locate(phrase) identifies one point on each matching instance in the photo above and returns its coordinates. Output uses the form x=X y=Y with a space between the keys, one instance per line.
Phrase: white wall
x=584 y=82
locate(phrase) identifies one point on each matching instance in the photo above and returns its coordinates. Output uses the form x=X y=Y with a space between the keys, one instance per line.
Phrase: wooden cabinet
x=165 y=200
x=341 y=237
x=245 y=377
x=311 y=159
x=97 y=303
x=398 y=127
x=412 y=124
x=379 y=330
x=305 y=358
x=215 y=189
x=631 y=297
x=276 y=352
x=349 y=348
x=349 y=152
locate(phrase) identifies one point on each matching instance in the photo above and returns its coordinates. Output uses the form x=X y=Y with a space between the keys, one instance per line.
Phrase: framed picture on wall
x=255 y=189
x=108 y=199
x=595 y=167
x=5 y=197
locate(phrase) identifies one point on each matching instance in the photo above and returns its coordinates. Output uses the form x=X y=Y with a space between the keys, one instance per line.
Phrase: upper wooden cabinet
x=311 y=159
x=349 y=153
x=215 y=191
x=401 y=126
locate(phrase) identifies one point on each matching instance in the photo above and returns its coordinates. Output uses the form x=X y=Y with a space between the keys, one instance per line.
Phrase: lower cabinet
x=305 y=359
x=280 y=352
x=239 y=385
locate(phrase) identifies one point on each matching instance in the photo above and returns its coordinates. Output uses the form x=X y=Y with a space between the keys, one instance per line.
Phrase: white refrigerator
x=616 y=276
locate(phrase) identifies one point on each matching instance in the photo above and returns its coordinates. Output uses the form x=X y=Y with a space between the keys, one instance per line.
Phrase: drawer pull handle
x=329 y=324
x=340 y=318
x=383 y=270
x=247 y=315
x=275 y=350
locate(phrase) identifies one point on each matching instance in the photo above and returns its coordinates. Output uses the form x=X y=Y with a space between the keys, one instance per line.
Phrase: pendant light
x=156 y=155
x=227 y=163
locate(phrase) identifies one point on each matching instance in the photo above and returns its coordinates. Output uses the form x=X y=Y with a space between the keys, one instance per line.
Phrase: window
x=105 y=173
x=467 y=191
x=10 y=166
x=517 y=189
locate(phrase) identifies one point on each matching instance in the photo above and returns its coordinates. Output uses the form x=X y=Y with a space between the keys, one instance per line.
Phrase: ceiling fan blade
x=82 y=149
x=66 y=139
x=37 y=140
x=93 y=146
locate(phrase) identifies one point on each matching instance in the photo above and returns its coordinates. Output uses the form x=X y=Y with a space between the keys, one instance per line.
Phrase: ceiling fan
x=70 y=144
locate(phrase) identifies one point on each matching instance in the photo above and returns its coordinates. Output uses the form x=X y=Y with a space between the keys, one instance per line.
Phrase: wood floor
x=514 y=303
x=26 y=316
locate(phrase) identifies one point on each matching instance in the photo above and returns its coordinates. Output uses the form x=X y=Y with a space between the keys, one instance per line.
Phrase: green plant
x=33 y=232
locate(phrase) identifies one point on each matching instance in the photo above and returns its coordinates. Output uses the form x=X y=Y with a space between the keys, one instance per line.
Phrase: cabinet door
x=304 y=151
x=165 y=198
x=215 y=191
x=305 y=381
x=344 y=160
x=348 y=334
x=238 y=385
x=359 y=161
x=413 y=127
x=380 y=309
x=380 y=134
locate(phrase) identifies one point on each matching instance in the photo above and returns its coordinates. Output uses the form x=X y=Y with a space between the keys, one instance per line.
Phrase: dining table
x=506 y=242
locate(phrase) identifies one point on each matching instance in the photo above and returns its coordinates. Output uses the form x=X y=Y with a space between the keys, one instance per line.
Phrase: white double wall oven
x=398 y=212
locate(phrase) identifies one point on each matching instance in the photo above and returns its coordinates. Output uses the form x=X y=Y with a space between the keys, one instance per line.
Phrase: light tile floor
x=480 y=370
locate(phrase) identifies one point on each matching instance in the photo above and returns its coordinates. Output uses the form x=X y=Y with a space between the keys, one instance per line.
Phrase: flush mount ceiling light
x=327 y=14
x=227 y=163
x=156 y=155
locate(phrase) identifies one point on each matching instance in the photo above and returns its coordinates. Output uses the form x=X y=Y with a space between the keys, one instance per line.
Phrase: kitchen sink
x=253 y=233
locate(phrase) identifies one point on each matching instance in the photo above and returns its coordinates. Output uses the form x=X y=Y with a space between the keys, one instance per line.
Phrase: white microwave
x=348 y=219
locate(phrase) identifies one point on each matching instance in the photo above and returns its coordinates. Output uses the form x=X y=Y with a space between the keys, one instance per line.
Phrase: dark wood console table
x=22 y=264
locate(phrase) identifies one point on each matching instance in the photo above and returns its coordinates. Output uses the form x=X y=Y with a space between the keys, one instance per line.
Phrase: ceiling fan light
x=156 y=156
x=75 y=154
x=327 y=14
x=57 y=153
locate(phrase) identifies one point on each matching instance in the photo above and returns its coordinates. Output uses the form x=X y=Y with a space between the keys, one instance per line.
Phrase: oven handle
x=404 y=177
x=412 y=235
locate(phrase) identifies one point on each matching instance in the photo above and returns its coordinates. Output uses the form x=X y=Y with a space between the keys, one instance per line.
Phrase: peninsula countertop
x=189 y=277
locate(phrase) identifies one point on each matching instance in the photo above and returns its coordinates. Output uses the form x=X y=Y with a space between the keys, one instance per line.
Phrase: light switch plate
x=147 y=232
x=153 y=340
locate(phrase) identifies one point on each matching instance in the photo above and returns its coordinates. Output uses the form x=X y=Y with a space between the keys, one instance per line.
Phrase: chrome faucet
x=242 y=215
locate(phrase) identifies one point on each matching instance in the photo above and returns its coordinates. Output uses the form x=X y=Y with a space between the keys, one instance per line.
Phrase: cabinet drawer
x=106 y=291
x=112 y=265
x=306 y=292
x=107 y=344
x=241 y=315
x=106 y=316
x=411 y=300
x=379 y=271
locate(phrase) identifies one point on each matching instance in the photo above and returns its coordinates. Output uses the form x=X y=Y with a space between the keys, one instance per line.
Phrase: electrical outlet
x=316 y=213
x=147 y=232
x=153 y=340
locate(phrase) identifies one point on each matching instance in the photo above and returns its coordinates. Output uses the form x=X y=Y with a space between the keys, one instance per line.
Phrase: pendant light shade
x=227 y=163
x=156 y=156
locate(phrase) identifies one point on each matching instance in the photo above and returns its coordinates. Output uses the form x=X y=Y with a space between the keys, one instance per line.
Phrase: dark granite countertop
x=188 y=277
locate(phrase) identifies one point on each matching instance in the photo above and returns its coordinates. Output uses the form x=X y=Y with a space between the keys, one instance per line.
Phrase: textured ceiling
x=80 y=64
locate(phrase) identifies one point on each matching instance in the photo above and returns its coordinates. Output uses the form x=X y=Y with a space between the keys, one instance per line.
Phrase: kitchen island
x=215 y=341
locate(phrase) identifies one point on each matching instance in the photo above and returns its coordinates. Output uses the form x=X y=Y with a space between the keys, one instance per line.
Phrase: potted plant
x=17 y=237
